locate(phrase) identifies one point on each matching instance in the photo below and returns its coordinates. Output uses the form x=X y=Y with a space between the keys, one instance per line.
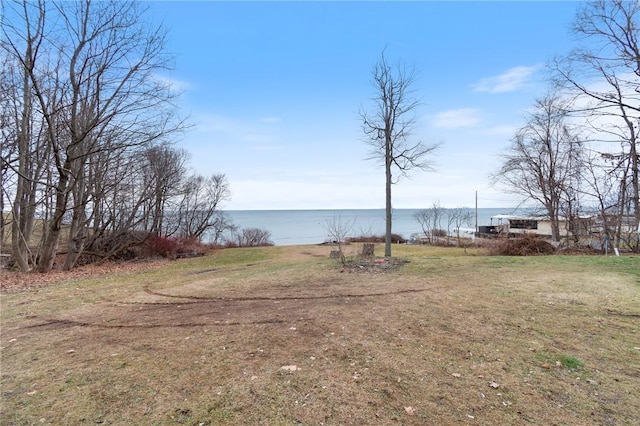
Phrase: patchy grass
x=570 y=362
x=449 y=338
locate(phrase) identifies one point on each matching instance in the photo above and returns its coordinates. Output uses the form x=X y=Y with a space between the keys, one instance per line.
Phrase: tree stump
x=368 y=249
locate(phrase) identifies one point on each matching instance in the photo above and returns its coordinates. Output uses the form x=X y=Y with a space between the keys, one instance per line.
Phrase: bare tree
x=541 y=162
x=221 y=224
x=425 y=218
x=24 y=152
x=123 y=199
x=388 y=127
x=602 y=185
x=430 y=220
x=338 y=230
x=604 y=73
x=457 y=218
x=90 y=72
x=164 y=175
x=200 y=204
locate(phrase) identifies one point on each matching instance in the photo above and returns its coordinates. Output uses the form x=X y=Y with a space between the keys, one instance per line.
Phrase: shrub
x=163 y=246
x=191 y=245
x=527 y=245
x=115 y=245
x=249 y=237
x=171 y=247
x=395 y=239
x=438 y=232
x=256 y=237
x=365 y=239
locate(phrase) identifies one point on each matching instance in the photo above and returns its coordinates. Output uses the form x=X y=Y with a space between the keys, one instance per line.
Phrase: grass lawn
x=283 y=336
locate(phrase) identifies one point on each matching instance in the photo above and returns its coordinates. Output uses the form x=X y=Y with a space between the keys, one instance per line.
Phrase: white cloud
x=509 y=81
x=456 y=118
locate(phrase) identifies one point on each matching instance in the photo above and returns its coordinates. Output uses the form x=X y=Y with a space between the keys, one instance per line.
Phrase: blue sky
x=273 y=90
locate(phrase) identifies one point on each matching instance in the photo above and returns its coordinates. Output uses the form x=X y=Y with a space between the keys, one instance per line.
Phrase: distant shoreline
x=308 y=226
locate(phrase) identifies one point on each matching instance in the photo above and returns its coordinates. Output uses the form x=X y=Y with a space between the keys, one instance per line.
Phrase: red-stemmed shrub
x=163 y=246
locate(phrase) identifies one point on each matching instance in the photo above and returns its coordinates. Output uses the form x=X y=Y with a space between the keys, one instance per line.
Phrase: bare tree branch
x=388 y=128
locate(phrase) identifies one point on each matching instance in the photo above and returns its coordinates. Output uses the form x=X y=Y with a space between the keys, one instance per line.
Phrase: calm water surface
x=292 y=227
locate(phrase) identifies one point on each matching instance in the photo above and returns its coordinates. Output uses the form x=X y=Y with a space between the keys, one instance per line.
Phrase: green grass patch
x=571 y=362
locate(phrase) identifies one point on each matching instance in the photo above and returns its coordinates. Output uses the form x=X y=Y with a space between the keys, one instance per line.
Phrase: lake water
x=293 y=227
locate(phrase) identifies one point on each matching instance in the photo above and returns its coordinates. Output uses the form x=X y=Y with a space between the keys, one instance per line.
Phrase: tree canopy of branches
x=603 y=74
x=430 y=220
x=88 y=121
x=338 y=231
x=543 y=162
x=199 y=207
x=388 y=127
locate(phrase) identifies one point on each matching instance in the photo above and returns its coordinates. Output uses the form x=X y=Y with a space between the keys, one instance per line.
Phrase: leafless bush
x=249 y=237
x=176 y=247
x=439 y=232
x=337 y=230
x=118 y=245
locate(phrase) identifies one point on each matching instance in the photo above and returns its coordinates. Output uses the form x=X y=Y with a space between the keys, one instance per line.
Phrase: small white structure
x=504 y=224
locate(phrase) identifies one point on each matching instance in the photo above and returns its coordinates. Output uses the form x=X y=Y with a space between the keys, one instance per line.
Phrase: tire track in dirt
x=206 y=311
x=271 y=298
x=62 y=323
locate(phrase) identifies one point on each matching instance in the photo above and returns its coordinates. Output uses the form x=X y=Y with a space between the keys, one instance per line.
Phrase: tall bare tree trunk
x=50 y=243
x=22 y=223
x=635 y=183
x=388 y=127
x=388 y=209
x=77 y=229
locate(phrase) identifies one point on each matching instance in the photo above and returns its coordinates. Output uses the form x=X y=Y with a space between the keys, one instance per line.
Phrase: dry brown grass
x=447 y=339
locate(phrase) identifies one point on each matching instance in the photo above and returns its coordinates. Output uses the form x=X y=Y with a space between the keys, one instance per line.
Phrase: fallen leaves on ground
x=12 y=280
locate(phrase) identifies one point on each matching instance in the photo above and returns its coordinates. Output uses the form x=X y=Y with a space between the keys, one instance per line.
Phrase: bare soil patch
x=373 y=264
